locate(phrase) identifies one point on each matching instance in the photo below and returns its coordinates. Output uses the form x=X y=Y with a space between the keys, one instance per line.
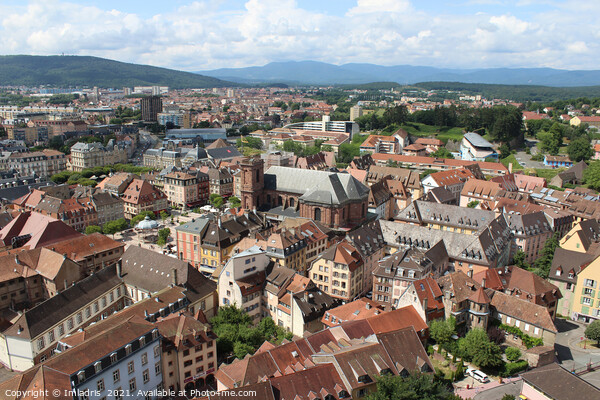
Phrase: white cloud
x=200 y=35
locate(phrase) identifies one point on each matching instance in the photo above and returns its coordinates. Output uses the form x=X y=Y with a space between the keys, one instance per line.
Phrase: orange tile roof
x=356 y=310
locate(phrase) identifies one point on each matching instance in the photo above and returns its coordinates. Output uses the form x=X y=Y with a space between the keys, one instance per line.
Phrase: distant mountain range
x=313 y=72
x=71 y=71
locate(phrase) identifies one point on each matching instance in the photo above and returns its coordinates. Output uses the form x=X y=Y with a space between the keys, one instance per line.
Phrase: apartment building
x=339 y=271
x=294 y=302
x=145 y=272
x=242 y=281
x=92 y=155
x=399 y=270
x=530 y=233
x=143 y=196
x=33 y=336
x=186 y=189
x=477 y=191
x=189 y=352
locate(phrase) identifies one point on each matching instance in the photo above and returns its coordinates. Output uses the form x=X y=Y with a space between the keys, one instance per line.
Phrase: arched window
x=291 y=202
x=317 y=214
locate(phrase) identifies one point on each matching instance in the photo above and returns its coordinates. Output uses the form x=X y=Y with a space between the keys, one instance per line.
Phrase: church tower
x=252 y=182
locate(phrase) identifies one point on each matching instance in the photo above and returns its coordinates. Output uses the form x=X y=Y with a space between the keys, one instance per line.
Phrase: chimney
x=470 y=273
x=17 y=259
x=146 y=313
x=119 y=269
x=425 y=303
x=368 y=305
x=174 y=275
x=483 y=283
x=66 y=285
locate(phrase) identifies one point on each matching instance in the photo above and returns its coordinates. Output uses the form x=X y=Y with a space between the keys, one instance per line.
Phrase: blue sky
x=199 y=35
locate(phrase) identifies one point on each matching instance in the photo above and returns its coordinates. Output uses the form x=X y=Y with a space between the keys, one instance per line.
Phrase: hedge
x=528 y=341
x=511 y=369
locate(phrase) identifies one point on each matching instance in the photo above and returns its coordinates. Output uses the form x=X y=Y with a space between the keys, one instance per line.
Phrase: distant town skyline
x=202 y=35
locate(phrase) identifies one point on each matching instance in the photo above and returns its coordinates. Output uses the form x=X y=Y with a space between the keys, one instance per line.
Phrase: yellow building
x=585 y=305
x=581 y=236
x=339 y=272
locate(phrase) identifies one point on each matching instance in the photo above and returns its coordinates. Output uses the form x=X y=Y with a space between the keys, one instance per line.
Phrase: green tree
x=216 y=200
x=164 y=215
x=519 y=260
x=234 y=201
x=591 y=175
x=163 y=236
x=592 y=331
x=442 y=331
x=580 y=149
x=395 y=115
x=240 y=349
x=92 y=229
x=112 y=227
x=512 y=354
x=504 y=150
x=477 y=347
x=508 y=397
x=442 y=152
x=473 y=204
x=413 y=387
x=543 y=263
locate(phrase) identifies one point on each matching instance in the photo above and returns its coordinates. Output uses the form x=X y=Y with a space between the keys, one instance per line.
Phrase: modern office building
x=151 y=106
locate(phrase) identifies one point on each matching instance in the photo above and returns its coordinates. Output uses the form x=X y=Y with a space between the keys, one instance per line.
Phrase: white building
x=475 y=148
x=327 y=125
x=242 y=280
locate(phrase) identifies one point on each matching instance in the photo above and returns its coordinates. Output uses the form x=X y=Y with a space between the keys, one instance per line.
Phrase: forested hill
x=520 y=93
x=73 y=71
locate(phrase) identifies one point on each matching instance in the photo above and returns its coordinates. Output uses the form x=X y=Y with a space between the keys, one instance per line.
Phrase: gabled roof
x=40 y=318
x=523 y=310
x=83 y=246
x=343 y=253
x=555 y=382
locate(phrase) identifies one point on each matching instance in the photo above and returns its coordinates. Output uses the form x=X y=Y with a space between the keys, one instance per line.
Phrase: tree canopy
x=580 y=150
x=477 y=347
x=442 y=330
x=592 y=331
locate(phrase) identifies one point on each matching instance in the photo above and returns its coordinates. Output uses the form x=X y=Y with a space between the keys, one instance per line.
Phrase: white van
x=478 y=375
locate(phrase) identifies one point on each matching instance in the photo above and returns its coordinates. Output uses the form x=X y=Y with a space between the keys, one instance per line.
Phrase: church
x=336 y=200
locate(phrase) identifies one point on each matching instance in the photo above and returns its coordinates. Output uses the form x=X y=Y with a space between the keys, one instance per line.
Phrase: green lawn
x=548 y=173
x=513 y=160
x=441 y=132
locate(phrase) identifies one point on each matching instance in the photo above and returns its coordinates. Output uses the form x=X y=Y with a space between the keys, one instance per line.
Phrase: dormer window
x=128 y=349
x=113 y=358
x=97 y=366
x=142 y=341
x=155 y=334
x=81 y=376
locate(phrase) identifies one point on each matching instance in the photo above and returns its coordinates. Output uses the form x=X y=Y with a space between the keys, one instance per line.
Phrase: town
x=297 y=243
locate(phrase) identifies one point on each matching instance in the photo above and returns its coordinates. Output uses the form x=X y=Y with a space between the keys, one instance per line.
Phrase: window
x=146 y=376
x=186 y=353
x=130 y=367
x=157 y=368
x=199 y=359
x=144 y=358
x=536 y=330
x=88 y=312
x=187 y=363
x=41 y=344
x=70 y=323
x=210 y=354
x=100 y=385
x=590 y=283
x=156 y=351
x=51 y=336
x=587 y=300
x=132 y=384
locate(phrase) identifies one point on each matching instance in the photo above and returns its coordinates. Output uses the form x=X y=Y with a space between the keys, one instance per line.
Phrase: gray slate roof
x=321 y=187
x=477 y=140
x=424 y=212
x=151 y=271
x=47 y=314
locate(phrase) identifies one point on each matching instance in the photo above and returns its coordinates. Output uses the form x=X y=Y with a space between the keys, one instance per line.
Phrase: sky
x=204 y=35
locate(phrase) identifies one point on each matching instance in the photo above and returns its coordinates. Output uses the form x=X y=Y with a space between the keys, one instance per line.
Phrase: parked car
x=478 y=375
